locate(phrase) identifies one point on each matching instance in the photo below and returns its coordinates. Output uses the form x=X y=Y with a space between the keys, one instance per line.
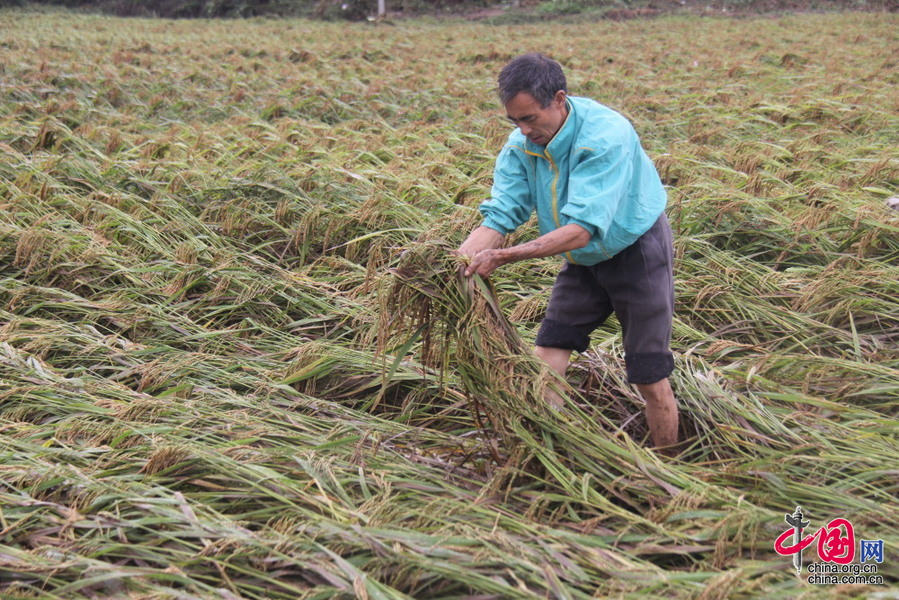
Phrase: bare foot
x=670 y=451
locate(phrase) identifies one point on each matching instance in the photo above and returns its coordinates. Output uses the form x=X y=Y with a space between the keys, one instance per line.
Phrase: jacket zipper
x=555 y=202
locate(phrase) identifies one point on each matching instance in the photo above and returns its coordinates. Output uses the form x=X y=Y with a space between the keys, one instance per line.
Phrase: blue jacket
x=593 y=173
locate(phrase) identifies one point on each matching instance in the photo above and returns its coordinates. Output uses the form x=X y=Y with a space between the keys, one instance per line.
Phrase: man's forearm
x=559 y=241
x=564 y=239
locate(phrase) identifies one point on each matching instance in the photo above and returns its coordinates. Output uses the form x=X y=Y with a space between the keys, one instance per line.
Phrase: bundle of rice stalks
x=575 y=448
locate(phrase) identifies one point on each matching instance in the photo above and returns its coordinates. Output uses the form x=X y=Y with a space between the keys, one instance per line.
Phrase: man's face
x=539 y=124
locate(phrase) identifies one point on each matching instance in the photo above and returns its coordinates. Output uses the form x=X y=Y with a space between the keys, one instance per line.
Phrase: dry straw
x=237 y=359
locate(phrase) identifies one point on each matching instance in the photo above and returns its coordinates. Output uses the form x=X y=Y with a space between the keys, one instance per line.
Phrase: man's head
x=535 y=74
x=533 y=89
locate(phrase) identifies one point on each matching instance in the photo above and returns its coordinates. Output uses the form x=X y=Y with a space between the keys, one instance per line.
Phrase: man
x=600 y=204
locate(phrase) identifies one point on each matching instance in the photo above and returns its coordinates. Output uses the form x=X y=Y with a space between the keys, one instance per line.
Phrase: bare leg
x=661 y=413
x=661 y=406
x=557 y=359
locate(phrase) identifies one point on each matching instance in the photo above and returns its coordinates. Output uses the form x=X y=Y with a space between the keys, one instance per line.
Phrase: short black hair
x=533 y=73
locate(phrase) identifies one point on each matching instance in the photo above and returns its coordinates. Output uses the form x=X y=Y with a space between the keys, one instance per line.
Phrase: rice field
x=237 y=361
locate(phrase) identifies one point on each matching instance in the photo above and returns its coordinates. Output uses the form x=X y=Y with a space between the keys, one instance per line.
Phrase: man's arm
x=563 y=239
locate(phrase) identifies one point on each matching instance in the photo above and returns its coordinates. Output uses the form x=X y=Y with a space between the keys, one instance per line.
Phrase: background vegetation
x=514 y=11
x=236 y=362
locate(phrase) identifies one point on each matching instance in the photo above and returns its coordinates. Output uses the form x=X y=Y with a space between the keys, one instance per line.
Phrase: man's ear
x=559 y=98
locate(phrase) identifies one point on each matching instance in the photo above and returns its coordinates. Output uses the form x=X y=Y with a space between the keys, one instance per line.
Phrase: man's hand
x=482 y=238
x=485 y=262
x=480 y=243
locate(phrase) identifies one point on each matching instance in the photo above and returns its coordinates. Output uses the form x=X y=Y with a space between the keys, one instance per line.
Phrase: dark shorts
x=637 y=284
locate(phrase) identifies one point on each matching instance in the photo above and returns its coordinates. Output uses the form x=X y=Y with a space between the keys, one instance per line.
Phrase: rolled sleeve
x=496 y=225
x=590 y=227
